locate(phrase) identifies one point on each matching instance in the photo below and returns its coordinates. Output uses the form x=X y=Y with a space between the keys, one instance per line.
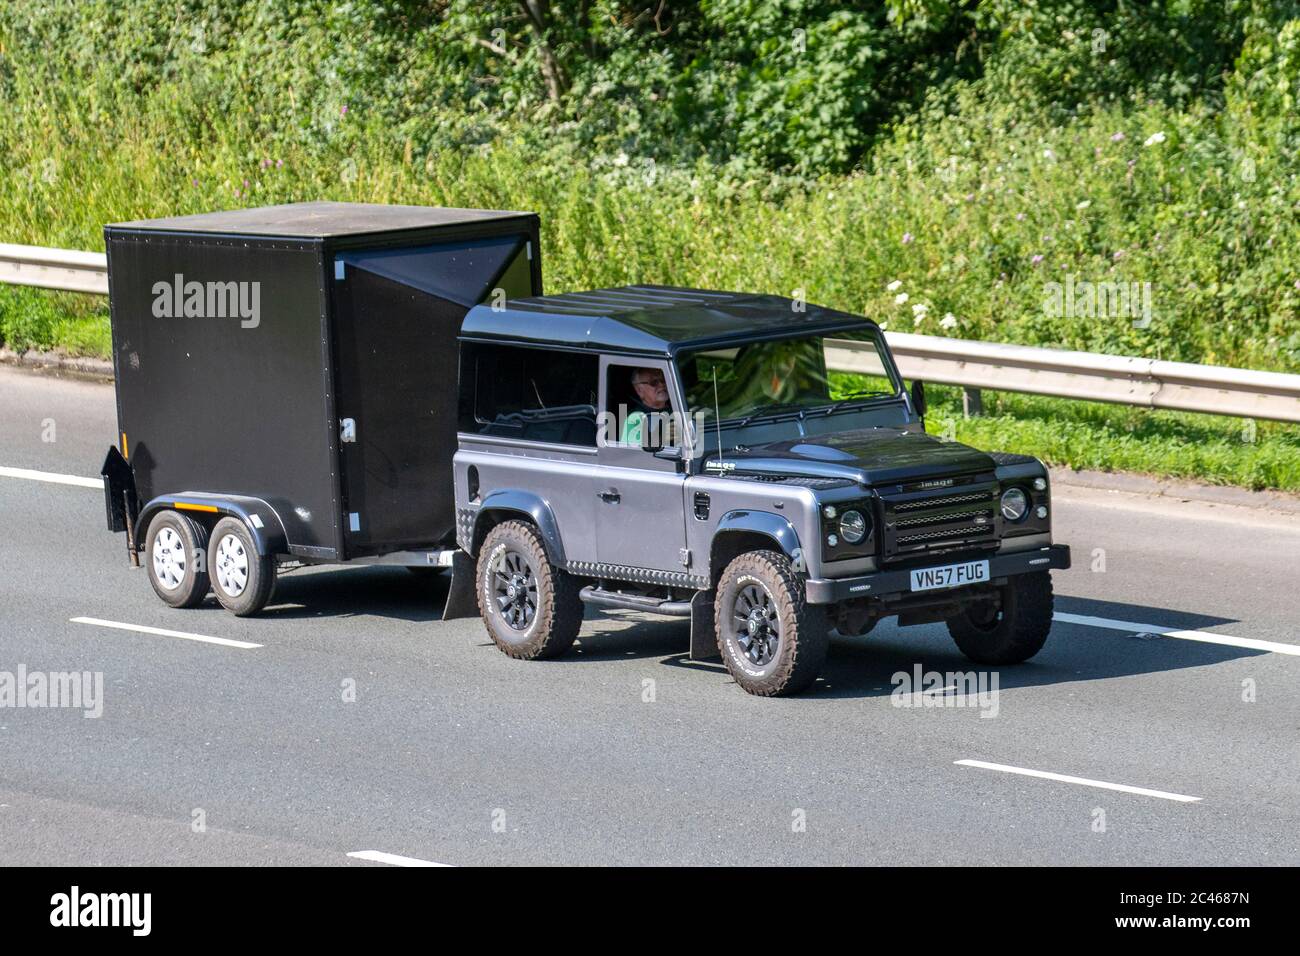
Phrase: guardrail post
x=972 y=403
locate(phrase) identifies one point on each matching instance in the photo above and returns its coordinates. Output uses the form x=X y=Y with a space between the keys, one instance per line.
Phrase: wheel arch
x=508 y=504
x=741 y=531
x=259 y=518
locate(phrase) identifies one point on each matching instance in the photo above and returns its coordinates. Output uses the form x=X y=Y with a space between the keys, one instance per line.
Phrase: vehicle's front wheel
x=531 y=609
x=1012 y=633
x=772 y=641
x=242 y=579
x=174 y=554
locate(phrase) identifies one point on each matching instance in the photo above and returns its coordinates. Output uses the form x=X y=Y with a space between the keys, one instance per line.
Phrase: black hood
x=871 y=456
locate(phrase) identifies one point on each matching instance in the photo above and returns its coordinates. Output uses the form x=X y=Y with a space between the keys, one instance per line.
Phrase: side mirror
x=918 y=397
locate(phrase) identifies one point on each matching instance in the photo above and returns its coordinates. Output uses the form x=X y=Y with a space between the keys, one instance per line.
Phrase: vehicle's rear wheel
x=174 y=555
x=1012 y=633
x=242 y=579
x=531 y=609
x=772 y=641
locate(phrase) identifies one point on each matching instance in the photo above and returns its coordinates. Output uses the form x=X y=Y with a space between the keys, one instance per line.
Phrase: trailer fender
x=261 y=520
x=738 y=531
x=525 y=504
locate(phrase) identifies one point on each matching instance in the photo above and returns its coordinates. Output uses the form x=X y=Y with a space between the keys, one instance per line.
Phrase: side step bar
x=634 y=602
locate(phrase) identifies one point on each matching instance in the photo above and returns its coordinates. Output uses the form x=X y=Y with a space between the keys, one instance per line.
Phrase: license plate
x=950 y=576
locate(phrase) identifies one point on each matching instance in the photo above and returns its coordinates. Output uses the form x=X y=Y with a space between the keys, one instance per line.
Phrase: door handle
x=611 y=496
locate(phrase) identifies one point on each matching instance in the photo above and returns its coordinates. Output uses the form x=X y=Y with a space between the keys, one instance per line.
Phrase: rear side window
x=531 y=394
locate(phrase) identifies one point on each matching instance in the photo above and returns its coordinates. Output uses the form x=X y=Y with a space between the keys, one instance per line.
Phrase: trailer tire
x=242 y=579
x=175 y=556
x=1013 y=633
x=759 y=598
x=531 y=609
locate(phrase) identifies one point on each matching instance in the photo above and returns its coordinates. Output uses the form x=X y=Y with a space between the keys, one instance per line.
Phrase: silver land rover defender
x=749 y=462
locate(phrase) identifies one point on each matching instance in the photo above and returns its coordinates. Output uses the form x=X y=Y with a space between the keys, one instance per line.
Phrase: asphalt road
x=453 y=753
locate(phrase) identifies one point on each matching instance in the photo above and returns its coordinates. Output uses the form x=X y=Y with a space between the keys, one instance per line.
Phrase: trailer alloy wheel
x=531 y=609
x=242 y=579
x=771 y=640
x=174 y=555
x=1012 y=633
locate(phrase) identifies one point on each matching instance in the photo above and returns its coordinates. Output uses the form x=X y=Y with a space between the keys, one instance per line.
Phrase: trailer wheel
x=772 y=642
x=174 y=555
x=1013 y=633
x=530 y=608
x=242 y=579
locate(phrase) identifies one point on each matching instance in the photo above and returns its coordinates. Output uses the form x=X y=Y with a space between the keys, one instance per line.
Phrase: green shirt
x=633 y=428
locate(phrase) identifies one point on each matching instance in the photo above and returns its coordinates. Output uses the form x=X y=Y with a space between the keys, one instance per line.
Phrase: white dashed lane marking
x=1081 y=781
x=1205 y=637
x=51 y=477
x=163 y=632
x=392 y=859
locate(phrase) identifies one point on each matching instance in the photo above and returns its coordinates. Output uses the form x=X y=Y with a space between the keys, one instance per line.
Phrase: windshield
x=788 y=376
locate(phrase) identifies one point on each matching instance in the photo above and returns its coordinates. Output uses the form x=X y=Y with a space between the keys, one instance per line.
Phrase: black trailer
x=286 y=384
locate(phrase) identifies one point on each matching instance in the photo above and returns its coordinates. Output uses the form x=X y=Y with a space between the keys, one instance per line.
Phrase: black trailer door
x=397 y=315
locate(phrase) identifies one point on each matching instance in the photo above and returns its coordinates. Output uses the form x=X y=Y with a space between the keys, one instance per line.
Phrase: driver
x=651 y=392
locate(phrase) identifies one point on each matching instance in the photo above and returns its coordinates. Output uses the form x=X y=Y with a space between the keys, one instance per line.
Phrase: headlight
x=1015 y=504
x=853 y=526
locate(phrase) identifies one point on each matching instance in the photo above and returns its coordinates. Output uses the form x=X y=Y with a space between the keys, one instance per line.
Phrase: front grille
x=918 y=523
x=906 y=539
x=942 y=502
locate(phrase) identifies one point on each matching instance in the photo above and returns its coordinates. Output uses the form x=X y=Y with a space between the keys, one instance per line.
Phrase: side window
x=532 y=394
x=638 y=408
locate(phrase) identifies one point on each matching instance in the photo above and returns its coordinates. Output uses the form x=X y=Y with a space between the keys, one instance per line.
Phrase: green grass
x=1206 y=448
x=54 y=321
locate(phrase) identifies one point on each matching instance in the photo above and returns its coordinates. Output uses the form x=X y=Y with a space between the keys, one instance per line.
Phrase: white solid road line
x=1082 y=781
x=163 y=632
x=51 y=477
x=1206 y=637
x=378 y=856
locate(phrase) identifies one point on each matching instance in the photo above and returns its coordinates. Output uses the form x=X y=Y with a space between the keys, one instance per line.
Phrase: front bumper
x=832 y=591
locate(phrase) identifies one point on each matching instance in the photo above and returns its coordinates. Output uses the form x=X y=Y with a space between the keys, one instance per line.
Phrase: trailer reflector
x=187 y=506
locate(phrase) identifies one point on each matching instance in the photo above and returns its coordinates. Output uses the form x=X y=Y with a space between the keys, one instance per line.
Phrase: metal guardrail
x=1150 y=383
x=64 y=269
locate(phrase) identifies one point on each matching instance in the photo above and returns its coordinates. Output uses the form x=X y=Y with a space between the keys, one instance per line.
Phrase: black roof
x=659 y=320
x=319 y=220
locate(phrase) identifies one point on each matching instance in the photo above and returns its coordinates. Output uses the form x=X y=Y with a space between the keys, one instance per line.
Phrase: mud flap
x=462 y=597
x=704 y=642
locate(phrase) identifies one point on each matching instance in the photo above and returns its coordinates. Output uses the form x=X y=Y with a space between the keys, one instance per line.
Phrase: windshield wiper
x=857 y=397
x=775 y=409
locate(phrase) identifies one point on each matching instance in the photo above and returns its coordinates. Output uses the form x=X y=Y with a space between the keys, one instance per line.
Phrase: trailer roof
x=652 y=319
x=319 y=220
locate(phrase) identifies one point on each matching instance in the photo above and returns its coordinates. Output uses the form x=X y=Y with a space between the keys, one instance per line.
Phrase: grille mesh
x=943 y=502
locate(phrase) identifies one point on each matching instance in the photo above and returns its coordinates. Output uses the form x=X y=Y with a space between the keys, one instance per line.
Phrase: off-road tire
x=260 y=569
x=803 y=637
x=557 y=609
x=1016 y=632
x=192 y=537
